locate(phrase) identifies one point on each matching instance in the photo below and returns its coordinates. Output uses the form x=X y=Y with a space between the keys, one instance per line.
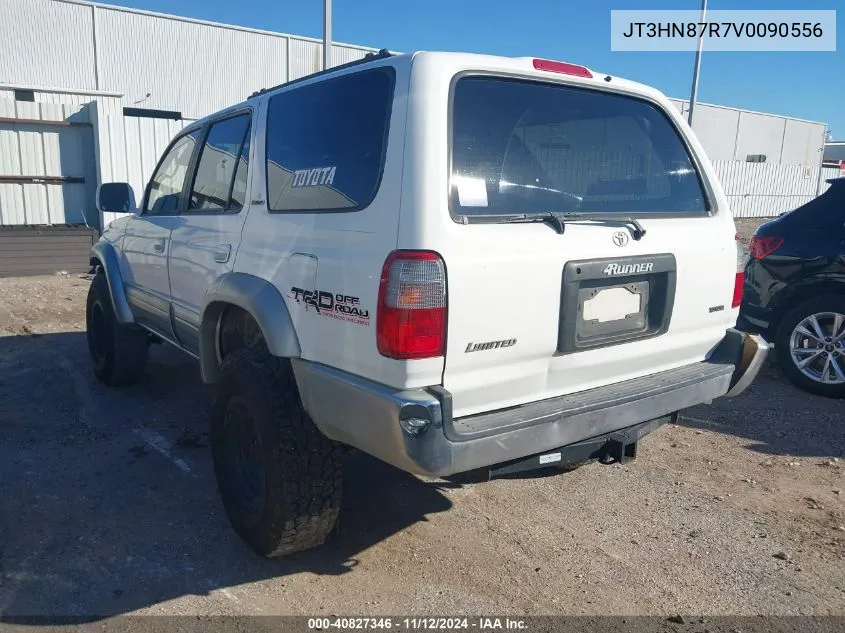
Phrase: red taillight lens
x=411 y=317
x=739 y=282
x=763 y=246
x=739 y=279
x=562 y=67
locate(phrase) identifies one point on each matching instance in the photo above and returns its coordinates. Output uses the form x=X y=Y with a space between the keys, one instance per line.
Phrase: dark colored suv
x=794 y=291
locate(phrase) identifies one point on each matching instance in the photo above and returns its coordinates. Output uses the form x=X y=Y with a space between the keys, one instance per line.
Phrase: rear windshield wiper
x=558 y=220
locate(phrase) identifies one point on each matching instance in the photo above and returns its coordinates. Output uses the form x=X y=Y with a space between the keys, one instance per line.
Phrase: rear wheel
x=810 y=346
x=278 y=476
x=118 y=352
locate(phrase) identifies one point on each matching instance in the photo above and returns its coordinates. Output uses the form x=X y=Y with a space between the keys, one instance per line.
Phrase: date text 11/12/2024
x=418 y=623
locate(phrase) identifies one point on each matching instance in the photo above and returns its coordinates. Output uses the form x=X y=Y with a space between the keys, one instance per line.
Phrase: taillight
x=739 y=278
x=562 y=67
x=763 y=245
x=411 y=316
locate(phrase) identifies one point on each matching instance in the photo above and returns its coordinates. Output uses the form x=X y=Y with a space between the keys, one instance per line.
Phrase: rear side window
x=326 y=142
x=220 y=181
x=528 y=147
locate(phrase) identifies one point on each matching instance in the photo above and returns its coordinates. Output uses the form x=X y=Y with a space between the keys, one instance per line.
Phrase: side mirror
x=116 y=197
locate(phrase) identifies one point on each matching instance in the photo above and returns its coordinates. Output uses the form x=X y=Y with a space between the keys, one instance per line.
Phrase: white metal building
x=92 y=93
x=734 y=134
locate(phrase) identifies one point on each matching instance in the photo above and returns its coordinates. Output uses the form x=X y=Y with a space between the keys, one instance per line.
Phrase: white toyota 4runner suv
x=448 y=261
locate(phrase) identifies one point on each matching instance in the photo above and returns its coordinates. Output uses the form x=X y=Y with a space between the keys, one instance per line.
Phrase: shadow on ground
x=777 y=418
x=94 y=519
x=108 y=502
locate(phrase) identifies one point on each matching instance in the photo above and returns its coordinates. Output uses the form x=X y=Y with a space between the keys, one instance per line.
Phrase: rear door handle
x=222 y=252
x=158 y=245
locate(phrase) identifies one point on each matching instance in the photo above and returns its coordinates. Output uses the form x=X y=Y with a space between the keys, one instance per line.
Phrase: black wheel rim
x=98 y=333
x=244 y=456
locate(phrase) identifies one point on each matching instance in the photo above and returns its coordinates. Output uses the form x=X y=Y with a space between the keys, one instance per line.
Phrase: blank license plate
x=611 y=311
x=613 y=304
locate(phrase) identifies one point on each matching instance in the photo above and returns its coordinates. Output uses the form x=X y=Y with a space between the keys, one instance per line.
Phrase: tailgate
x=556 y=314
x=538 y=310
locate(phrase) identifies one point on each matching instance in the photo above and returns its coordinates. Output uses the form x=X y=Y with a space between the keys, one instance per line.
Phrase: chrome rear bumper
x=414 y=429
x=754 y=352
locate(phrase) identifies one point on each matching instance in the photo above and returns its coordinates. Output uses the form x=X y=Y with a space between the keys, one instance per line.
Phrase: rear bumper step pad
x=584 y=402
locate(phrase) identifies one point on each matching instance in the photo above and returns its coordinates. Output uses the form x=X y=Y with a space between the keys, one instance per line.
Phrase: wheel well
x=793 y=296
x=236 y=329
x=250 y=309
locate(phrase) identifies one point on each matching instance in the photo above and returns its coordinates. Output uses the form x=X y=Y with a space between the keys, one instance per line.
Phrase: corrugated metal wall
x=155 y=61
x=731 y=134
x=342 y=54
x=110 y=148
x=47 y=44
x=42 y=150
x=759 y=190
x=183 y=65
x=172 y=63
x=130 y=147
x=305 y=58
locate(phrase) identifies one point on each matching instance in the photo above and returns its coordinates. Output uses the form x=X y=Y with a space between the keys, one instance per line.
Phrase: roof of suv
x=524 y=66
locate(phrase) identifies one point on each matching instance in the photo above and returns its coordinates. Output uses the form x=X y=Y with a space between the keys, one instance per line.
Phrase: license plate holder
x=609 y=310
x=600 y=307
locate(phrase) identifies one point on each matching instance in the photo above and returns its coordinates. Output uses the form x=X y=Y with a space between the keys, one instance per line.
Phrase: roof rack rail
x=369 y=57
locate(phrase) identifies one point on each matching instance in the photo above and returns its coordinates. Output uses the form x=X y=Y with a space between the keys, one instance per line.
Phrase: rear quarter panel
x=339 y=254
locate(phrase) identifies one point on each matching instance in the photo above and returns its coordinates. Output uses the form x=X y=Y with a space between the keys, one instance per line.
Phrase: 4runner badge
x=627 y=269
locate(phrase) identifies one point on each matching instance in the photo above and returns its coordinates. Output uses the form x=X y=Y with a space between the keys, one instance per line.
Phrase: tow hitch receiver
x=618 y=446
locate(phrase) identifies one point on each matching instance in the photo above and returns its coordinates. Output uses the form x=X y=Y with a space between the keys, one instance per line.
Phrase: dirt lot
x=108 y=506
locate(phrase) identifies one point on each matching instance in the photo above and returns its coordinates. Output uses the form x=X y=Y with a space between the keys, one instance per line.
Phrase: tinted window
x=326 y=142
x=524 y=147
x=165 y=191
x=220 y=181
x=238 y=197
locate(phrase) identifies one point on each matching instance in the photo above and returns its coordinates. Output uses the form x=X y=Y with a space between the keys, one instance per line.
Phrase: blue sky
x=805 y=85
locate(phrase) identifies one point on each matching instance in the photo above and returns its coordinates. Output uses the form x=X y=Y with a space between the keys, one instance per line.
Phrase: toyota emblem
x=620 y=238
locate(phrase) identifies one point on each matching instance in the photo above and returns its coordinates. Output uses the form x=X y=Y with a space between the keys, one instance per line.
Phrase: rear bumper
x=414 y=430
x=753 y=352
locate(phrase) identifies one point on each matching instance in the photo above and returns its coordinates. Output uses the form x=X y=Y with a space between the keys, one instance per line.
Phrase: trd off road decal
x=335 y=306
x=313 y=177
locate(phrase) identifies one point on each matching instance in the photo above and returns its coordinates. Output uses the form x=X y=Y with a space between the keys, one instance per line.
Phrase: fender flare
x=262 y=301
x=105 y=254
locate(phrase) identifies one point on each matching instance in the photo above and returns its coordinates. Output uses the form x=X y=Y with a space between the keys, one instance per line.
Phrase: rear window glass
x=530 y=147
x=326 y=142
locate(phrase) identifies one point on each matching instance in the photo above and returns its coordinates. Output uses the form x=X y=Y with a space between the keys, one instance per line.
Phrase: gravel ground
x=108 y=506
x=745 y=228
